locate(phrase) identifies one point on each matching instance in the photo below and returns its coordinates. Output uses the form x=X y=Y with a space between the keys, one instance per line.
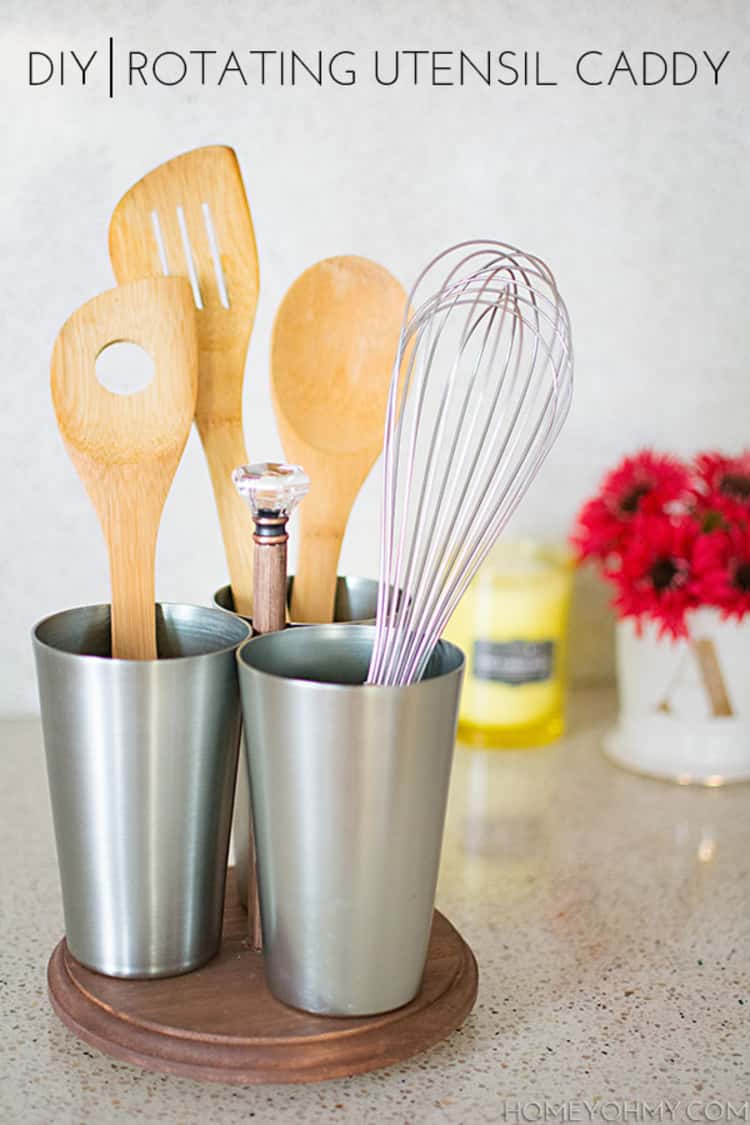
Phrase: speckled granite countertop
x=610 y=916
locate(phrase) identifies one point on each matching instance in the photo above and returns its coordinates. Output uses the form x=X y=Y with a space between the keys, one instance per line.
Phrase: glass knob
x=271 y=487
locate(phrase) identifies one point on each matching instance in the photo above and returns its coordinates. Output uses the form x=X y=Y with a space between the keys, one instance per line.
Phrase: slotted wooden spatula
x=190 y=217
x=126 y=448
x=334 y=343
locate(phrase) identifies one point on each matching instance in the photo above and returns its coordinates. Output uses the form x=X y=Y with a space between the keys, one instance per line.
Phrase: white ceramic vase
x=684 y=705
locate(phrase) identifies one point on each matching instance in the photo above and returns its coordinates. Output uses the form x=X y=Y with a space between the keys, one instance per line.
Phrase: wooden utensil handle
x=132 y=557
x=224 y=446
x=314 y=589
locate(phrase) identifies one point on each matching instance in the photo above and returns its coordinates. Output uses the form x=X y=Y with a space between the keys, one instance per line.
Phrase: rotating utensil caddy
x=141 y=715
x=356 y=972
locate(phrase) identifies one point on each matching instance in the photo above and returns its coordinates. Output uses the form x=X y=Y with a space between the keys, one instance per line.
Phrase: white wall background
x=637 y=197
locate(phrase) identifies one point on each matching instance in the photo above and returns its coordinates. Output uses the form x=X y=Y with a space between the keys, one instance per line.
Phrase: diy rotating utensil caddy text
x=118 y=70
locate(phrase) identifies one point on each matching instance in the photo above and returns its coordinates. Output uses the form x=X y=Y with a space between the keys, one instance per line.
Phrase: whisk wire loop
x=480 y=388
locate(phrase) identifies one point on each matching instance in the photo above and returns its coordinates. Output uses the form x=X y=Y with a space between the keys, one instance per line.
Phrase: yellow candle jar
x=512 y=624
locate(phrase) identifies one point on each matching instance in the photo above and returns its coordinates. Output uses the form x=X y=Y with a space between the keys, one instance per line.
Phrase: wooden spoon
x=334 y=343
x=190 y=217
x=126 y=448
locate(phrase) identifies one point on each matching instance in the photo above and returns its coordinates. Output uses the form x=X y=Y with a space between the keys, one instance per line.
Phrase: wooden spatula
x=126 y=448
x=334 y=342
x=190 y=217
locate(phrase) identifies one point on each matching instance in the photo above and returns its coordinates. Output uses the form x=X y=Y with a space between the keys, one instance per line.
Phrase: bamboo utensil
x=334 y=340
x=190 y=217
x=126 y=448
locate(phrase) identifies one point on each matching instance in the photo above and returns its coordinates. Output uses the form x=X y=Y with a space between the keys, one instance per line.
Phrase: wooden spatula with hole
x=126 y=448
x=190 y=217
x=334 y=343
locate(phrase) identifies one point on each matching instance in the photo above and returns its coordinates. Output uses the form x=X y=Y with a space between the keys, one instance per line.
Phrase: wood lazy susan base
x=221 y=1023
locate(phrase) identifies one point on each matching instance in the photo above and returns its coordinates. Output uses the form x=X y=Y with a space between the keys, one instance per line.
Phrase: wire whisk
x=481 y=386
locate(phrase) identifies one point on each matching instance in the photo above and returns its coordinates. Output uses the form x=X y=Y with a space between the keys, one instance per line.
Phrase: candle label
x=514 y=662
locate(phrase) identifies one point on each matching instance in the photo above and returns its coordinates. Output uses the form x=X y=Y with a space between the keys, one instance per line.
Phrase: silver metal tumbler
x=349 y=786
x=141 y=762
x=356 y=601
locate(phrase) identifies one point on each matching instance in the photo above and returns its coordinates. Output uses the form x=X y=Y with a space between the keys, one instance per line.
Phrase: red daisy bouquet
x=671 y=536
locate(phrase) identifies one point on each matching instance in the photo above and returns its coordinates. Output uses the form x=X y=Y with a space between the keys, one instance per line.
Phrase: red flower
x=647 y=483
x=721 y=569
x=655 y=578
x=725 y=478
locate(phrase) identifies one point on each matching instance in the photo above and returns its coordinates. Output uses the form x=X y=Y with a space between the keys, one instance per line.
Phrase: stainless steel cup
x=349 y=786
x=141 y=762
x=356 y=601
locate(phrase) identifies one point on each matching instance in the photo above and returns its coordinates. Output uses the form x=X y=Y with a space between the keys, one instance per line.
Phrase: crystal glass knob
x=271 y=487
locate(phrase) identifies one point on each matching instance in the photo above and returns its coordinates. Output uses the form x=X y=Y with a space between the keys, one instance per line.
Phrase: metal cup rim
x=64 y=654
x=341 y=628
x=300 y=624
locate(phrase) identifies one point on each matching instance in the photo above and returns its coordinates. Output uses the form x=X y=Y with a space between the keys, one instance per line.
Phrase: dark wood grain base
x=221 y=1023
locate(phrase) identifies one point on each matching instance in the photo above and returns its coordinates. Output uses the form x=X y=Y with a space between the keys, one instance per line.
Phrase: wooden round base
x=221 y=1023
